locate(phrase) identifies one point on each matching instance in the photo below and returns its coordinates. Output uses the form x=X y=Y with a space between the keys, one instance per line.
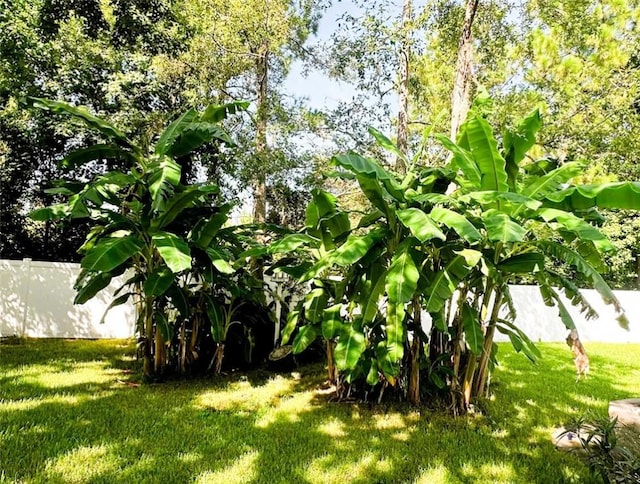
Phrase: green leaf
x=371 y=307
x=173 y=250
x=500 y=227
x=314 y=304
x=388 y=365
x=526 y=263
x=291 y=243
x=584 y=230
x=179 y=299
x=91 y=284
x=158 y=282
x=479 y=140
x=54 y=212
x=119 y=301
x=420 y=224
x=321 y=204
x=542 y=186
x=216 y=319
x=349 y=348
x=447 y=279
x=292 y=322
x=355 y=248
x=171 y=133
x=517 y=143
x=175 y=206
x=220 y=261
x=373 y=191
x=306 y=335
x=194 y=136
x=205 y=230
x=402 y=277
x=463 y=160
x=82 y=156
x=620 y=195
x=216 y=113
x=457 y=222
x=82 y=114
x=164 y=176
x=111 y=252
x=567 y=255
x=163 y=326
x=386 y=143
x=472 y=330
x=396 y=330
x=331 y=322
x=361 y=166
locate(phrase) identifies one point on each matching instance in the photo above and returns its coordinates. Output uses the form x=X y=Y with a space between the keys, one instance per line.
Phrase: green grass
x=68 y=415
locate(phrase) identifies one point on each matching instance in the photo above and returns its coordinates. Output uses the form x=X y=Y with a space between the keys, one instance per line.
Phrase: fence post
x=26 y=261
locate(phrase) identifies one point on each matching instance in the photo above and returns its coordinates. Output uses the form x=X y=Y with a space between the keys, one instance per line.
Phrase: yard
x=71 y=411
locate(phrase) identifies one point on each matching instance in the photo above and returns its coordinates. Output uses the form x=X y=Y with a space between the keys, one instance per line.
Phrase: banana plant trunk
x=332 y=370
x=148 y=365
x=219 y=356
x=483 y=365
x=416 y=350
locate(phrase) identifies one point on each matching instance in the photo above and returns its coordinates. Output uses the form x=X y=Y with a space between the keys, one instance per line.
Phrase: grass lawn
x=70 y=413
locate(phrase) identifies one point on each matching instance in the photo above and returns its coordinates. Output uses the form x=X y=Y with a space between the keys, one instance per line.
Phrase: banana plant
x=148 y=223
x=530 y=220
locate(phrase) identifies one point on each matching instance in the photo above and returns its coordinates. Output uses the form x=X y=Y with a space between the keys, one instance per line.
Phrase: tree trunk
x=331 y=364
x=148 y=338
x=483 y=364
x=416 y=350
x=218 y=358
x=403 y=88
x=460 y=98
x=160 y=356
x=260 y=187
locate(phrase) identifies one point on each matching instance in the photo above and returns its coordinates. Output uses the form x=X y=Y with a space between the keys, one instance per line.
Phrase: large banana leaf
x=306 y=335
x=220 y=260
x=314 y=304
x=420 y=224
x=371 y=307
x=175 y=206
x=622 y=195
x=174 y=251
x=290 y=243
x=205 y=230
x=457 y=222
x=472 y=330
x=517 y=143
x=292 y=322
x=396 y=330
x=349 y=348
x=362 y=166
x=355 y=248
x=111 y=252
x=158 y=281
x=500 y=227
x=463 y=160
x=331 y=322
x=217 y=319
x=568 y=255
x=89 y=284
x=194 y=136
x=446 y=280
x=402 y=277
x=216 y=113
x=386 y=143
x=165 y=175
x=477 y=137
x=373 y=191
x=321 y=204
x=171 y=133
x=578 y=226
x=84 y=115
x=526 y=263
x=541 y=186
x=82 y=156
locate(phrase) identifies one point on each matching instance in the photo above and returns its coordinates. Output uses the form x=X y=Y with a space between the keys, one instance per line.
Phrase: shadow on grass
x=261 y=428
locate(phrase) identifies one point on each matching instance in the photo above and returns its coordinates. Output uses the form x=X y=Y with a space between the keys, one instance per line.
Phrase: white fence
x=36 y=300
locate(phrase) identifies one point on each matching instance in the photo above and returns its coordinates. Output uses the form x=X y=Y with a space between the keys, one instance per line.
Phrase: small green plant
x=612 y=450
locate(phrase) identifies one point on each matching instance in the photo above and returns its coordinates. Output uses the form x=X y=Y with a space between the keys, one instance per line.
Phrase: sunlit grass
x=68 y=413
